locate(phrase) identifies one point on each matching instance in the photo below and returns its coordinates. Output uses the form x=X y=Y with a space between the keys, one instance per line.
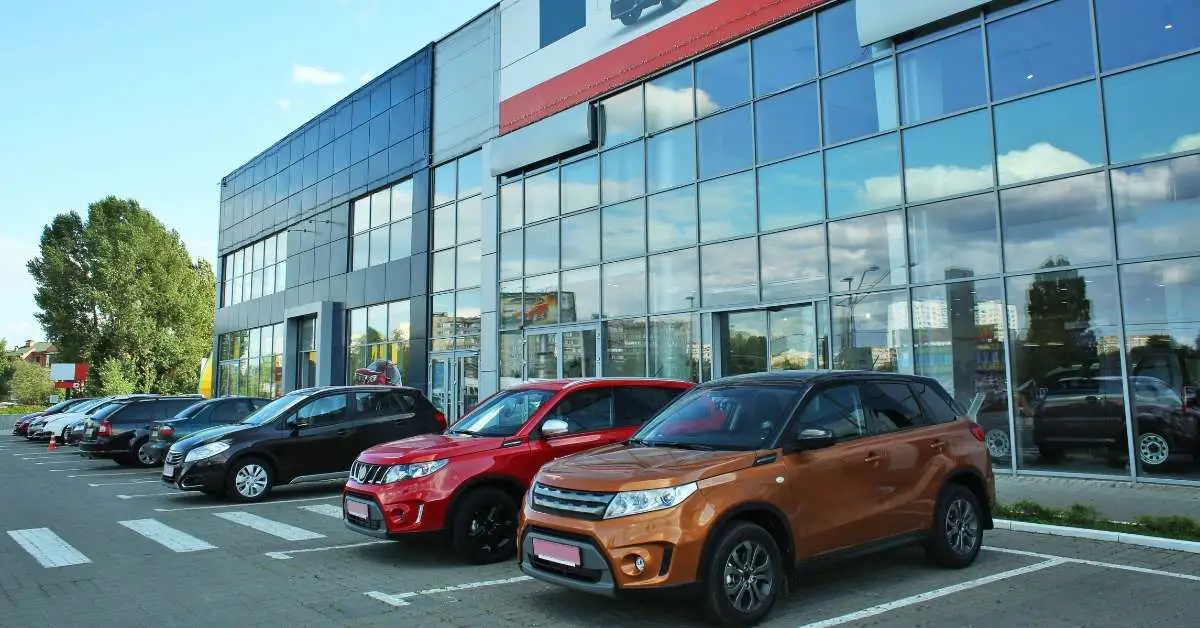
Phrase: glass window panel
x=796 y=342
x=723 y=80
x=401 y=239
x=281 y=277
x=745 y=351
x=625 y=288
x=580 y=296
x=669 y=100
x=726 y=142
x=624 y=229
x=1132 y=32
x=380 y=248
x=443 y=227
x=730 y=273
x=381 y=208
x=541 y=196
x=399 y=321
x=784 y=57
x=674 y=281
x=671 y=159
x=1035 y=49
x=468 y=265
x=258 y=250
x=790 y=193
x=954 y=239
x=867 y=253
x=282 y=242
x=402 y=200
x=443 y=270
x=1158 y=207
x=942 y=77
x=727 y=207
x=541 y=248
x=1141 y=127
x=787 y=124
x=541 y=300
x=377 y=323
x=675 y=347
x=623 y=173
x=1065 y=347
x=871 y=332
x=510 y=359
x=362 y=251
x=512 y=254
x=443 y=315
x=581 y=239
x=1049 y=134
x=860 y=102
x=467 y=313
x=672 y=218
x=863 y=176
x=510 y=304
x=949 y=157
x=470 y=173
x=793 y=263
x=269 y=251
x=838 y=33
x=1056 y=223
x=512 y=200
x=625 y=348
x=580 y=185
x=445 y=183
x=362 y=214
x=621 y=117
x=255 y=345
x=468 y=219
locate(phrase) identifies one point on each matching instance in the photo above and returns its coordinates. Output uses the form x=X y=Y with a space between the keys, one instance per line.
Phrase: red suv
x=469 y=480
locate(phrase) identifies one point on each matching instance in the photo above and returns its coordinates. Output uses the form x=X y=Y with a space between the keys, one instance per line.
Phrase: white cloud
x=284 y=104
x=1186 y=143
x=312 y=75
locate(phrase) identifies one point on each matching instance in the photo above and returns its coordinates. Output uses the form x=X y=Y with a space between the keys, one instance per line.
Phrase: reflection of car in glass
x=1088 y=413
x=629 y=11
x=469 y=480
x=378 y=373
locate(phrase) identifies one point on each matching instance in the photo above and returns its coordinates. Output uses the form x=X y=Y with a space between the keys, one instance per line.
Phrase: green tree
x=114 y=378
x=31 y=383
x=121 y=286
x=6 y=370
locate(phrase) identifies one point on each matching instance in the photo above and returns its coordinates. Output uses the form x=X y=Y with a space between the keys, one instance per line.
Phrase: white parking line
x=165 y=535
x=95 y=484
x=48 y=548
x=328 y=510
x=263 y=503
x=149 y=495
x=1096 y=563
x=287 y=555
x=42 y=454
x=398 y=599
x=268 y=526
x=80 y=469
x=128 y=474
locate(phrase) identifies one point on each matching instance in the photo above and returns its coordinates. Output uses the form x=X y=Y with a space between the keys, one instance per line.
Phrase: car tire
x=1153 y=450
x=250 y=480
x=145 y=457
x=744 y=558
x=631 y=18
x=484 y=528
x=957 y=534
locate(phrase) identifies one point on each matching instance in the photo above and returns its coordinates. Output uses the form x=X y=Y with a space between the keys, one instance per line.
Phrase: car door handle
x=937 y=444
x=873 y=458
x=343 y=432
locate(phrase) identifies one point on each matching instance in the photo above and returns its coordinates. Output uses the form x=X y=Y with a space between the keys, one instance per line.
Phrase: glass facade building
x=1000 y=200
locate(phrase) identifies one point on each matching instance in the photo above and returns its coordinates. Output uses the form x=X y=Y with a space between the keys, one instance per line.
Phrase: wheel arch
x=511 y=486
x=765 y=515
x=973 y=481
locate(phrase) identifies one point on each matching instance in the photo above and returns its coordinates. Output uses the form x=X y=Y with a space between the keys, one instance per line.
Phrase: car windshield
x=87 y=406
x=58 y=406
x=106 y=411
x=275 y=409
x=740 y=418
x=192 y=410
x=503 y=414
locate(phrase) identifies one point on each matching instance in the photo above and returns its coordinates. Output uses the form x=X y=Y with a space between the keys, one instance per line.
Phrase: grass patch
x=21 y=410
x=1081 y=516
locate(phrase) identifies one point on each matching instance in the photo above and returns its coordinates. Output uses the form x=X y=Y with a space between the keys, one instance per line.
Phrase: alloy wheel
x=962 y=527
x=145 y=456
x=749 y=579
x=251 y=480
x=1153 y=449
x=491 y=529
x=998 y=443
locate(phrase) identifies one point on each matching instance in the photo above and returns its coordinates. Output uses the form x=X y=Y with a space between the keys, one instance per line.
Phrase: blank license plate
x=169 y=470
x=358 y=509
x=556 y=552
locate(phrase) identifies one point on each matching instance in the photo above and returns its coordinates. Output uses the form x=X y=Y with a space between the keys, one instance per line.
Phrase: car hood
x=206 y=436
x=428 y=447
x=64 y=418
x=631 y=468
x=31 y=416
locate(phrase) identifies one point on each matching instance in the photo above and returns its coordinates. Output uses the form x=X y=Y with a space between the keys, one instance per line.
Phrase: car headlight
x=205 y=451
x=400 y=472
x=638 y=502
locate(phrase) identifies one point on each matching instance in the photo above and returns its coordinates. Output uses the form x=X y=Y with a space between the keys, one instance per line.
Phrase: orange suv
x=742 y=480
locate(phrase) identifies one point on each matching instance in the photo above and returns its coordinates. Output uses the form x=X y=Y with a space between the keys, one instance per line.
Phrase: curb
x=1123 y=538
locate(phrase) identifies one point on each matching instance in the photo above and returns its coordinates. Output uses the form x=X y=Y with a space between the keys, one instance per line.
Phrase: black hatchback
x=310 y=435
x=197 y=417
x=121 y=430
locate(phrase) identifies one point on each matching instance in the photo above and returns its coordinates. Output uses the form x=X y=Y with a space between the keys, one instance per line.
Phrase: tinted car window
x=382 y=403
x=132 y=413
x=937 y=406
x=585 y=411
x=502 y=414
x=325 y=411
x=634 y=405
x=739 y=417
x=838 y=408
x=170 y=407
x=890 y=407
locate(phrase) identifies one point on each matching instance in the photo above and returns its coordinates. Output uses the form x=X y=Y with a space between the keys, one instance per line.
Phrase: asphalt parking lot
x=91 y=543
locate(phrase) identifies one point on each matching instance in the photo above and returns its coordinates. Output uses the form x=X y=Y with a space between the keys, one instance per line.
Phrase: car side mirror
x=554 y=427
x=812 y=438
x=298 y=422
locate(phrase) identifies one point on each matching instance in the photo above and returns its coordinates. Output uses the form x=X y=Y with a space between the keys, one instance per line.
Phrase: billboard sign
x=69 y=376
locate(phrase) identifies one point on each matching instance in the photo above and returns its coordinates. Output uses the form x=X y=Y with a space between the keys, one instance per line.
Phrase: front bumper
x=159 y=449
x=201 y=475
x=395 y=510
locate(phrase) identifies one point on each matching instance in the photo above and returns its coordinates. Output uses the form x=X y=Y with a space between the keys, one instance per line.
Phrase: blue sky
x=158 y=100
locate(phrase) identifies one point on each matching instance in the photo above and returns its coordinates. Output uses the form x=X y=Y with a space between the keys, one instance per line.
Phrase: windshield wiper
x=678 y=445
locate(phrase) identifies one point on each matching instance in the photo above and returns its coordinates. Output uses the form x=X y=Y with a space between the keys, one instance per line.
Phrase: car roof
x=353 y=388
x=814 y=377
x=587 y=382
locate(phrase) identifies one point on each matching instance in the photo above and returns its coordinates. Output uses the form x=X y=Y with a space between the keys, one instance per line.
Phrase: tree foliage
x=6 y=371
x=121 y=286
x=31 y=383
x=115 y=378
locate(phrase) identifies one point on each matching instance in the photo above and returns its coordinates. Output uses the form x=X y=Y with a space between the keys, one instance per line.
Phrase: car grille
x=569 y=503
x=366 y=473
x=174 y=457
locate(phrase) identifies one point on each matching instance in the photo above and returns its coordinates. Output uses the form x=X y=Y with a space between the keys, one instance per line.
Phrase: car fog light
x=639 y=564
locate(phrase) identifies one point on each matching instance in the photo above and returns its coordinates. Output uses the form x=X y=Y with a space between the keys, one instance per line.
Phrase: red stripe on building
x=702 y=30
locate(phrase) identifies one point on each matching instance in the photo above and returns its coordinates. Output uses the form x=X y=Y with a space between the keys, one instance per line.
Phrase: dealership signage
x=70 y=376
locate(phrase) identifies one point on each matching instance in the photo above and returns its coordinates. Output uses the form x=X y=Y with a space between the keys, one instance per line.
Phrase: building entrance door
x=454 y=382
x=794 y=337
x=562 y=352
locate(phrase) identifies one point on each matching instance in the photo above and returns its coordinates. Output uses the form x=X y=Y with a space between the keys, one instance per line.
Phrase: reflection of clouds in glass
x=1067 y=217
x=790 y=193
x=863 y=176
x=625 y=288
x=622 y=116
x=1158 y=207
x=730 y=272
x=541 y=196
x=622 y=172
x=793 y=263
x=581 y=239
x=957 y=234
x=667 y=106
x=727 y=207
x=1162 y=293
x=672 y=219
x=1186 y=143
x=624 y=229
x=674 y=281
x=859 y=245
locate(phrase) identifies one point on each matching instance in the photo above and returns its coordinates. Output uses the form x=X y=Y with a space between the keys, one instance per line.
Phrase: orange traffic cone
x=53 y=446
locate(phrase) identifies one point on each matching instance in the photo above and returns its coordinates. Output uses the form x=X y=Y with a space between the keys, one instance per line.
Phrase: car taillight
x=105 y=430
x=977 y=431
x=166 y=431
x=440 y=417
